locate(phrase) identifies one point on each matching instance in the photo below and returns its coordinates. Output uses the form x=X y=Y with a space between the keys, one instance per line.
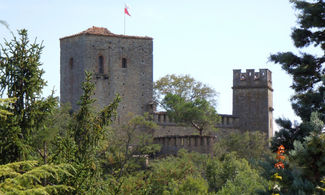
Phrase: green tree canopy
x=187 y=101
x=26 y=177
x=199 y=112
x=21 y=78
x=184 y=86
x=307 y=69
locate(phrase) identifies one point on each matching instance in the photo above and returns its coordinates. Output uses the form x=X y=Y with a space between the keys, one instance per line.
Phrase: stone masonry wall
x=167 y=127
x=133 y=83
x=192 y=143
x=72 y=65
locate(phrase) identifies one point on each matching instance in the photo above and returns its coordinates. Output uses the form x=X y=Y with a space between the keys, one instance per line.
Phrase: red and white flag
x=126 y=10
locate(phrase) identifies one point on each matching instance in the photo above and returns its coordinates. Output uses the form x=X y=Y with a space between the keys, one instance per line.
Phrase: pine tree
x=307 y=70
x=26 y=177
x=4 y=105
x=83 y=140
x=21 y=78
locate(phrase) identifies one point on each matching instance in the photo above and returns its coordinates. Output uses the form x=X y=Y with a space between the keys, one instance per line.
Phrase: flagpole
x=124 y=23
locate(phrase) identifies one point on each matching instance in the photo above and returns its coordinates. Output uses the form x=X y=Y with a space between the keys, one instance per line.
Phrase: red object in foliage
x=279 y=165
x=280 y=157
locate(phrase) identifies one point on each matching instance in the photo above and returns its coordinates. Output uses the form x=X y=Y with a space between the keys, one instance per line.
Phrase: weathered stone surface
x=192 y=143
x=252 y=91
x=133 y=83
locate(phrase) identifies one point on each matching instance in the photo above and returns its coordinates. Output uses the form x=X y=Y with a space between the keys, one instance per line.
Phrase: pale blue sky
x=206 y=39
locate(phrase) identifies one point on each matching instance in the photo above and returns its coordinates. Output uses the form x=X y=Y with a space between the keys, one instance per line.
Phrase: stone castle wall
x=192 y=143
x=167 y=127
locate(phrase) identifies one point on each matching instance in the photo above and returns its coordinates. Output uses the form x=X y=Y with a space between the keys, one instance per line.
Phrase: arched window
x=101 y=65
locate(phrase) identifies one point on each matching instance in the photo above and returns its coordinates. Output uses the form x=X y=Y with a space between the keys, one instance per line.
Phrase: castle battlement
x=162 y=118
x=252 y=79
x=197 y=143
x=228 y=121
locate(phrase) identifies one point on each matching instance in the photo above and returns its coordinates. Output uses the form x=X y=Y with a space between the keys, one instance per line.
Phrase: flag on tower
x=126 y=10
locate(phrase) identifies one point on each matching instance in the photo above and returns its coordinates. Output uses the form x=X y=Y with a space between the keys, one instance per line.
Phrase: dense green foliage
x=82 y=141
x=187 y=101
x=198 y=112
x=305 y=141
x=309 y=156
x=306 y=69
x=126 y=151
x=28 y=177
x=231 y=175
x=184 y=86
x=87 y=152
x=21 y=78
x=4 y=105
x=248 y=145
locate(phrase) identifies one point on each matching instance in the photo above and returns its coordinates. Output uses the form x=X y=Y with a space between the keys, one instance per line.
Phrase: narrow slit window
x=71 y=63
x=124 y=63
x=101 y=64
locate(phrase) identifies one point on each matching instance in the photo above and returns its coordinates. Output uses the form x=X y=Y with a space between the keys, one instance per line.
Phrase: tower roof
x=97 y=31
x=101 y=31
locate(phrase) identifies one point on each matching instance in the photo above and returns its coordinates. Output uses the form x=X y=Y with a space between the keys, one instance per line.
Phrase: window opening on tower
x=124 y=63
x=101 y=65
x=71 y=63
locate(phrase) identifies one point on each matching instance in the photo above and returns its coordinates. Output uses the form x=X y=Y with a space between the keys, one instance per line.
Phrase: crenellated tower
x=253 y=100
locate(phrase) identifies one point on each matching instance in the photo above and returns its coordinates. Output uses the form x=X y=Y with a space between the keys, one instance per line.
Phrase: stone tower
x=120 y=64
x=253 y=100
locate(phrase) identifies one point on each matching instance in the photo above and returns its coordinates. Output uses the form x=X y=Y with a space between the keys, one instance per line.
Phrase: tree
x=231 y=175
x=248 y=145
x=304 y=170
x=126 y=150
x=4 y=105
x=309 y=157
x=306 y=69
x=26 y=177
x=83 y=140
x=187 y=101
x=290 y=133
x=174 y=175
x=56 y=124
x=21 y=78
x=184 y=86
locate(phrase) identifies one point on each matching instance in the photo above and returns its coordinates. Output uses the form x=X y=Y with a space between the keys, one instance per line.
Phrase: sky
x=206 y=39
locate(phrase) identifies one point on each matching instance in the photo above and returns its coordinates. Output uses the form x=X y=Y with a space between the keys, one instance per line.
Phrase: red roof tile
x=103 y=32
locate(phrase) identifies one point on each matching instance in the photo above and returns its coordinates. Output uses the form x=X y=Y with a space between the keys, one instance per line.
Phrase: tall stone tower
x=120 y=64
x=253 y=100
